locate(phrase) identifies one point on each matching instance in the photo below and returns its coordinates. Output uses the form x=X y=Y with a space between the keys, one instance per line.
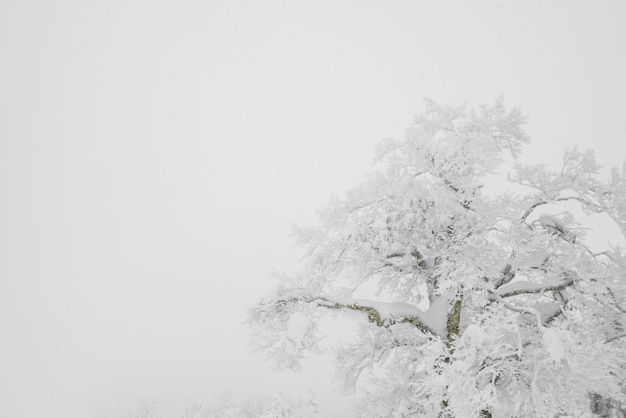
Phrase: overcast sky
x=155 y=154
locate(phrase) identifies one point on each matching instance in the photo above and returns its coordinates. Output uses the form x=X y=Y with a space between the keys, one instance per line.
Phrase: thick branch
x=454 y=319
x=374 y=314
x=521 y=288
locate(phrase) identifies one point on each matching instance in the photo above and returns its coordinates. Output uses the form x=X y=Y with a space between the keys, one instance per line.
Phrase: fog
x=155 y=155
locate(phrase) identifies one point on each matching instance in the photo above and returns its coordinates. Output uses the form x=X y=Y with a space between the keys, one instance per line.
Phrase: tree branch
x=454 y=320
x=507 y=275
x=373 y=314
x=531 y=290
x=597 y=208
x=518 y=309
x=615 y=301
x=615 y=337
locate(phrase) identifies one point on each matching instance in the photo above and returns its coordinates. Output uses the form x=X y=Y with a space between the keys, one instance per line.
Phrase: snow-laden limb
x=382 y=314
x=483 y=304
x=524 y=287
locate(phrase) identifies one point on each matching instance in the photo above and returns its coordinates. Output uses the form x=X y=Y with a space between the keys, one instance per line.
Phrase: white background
x=155 y=154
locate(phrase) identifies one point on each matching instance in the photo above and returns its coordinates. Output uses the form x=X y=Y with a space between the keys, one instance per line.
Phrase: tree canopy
x=487 y=303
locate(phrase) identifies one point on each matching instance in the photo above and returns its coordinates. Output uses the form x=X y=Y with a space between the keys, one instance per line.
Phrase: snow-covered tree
x=486 y=304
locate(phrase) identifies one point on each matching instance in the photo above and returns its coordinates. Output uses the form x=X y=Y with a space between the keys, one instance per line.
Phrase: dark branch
x=616 y=337
x=615 y=302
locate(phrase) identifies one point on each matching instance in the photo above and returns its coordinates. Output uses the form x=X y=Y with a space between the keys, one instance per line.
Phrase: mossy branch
x=454 y=319
x=373 y=315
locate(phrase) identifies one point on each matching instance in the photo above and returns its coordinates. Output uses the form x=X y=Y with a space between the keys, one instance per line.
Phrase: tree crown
x=486 y=303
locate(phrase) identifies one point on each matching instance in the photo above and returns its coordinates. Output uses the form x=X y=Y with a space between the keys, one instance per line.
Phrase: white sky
x=154 y=155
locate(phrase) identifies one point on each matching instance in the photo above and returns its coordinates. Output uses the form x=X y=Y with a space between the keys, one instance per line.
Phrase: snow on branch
x=382 y=314
x=524 y=310
x=524 y=287
x=585 y=202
